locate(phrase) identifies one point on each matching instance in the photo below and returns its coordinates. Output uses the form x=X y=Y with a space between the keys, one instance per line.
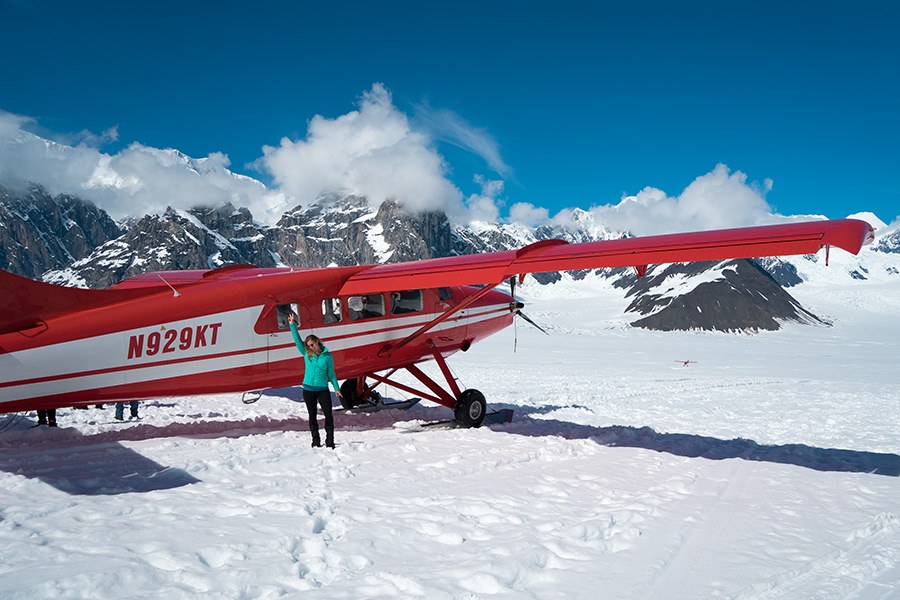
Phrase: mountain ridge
x=65 y=240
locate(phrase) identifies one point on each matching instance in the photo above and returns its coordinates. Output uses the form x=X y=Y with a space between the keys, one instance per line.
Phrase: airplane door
x=454 y=329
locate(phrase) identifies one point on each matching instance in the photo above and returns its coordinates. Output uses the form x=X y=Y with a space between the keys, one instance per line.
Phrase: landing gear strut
x=469 y=407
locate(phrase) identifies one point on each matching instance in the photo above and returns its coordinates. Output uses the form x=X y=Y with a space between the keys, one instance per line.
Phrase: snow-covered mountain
x=40 y=232
x=68 y=241
x=889 y=243
x=734 y=295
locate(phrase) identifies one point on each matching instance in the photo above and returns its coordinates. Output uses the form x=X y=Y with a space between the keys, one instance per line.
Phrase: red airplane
x=225 y=329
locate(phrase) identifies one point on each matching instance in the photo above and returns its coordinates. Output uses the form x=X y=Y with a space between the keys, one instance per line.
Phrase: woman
x=319 y=371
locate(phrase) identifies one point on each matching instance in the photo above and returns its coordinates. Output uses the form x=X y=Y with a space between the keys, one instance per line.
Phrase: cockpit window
x=331 y=310
x=282 y=311
x=445 y=293
x=406 y=302
x=365 y=307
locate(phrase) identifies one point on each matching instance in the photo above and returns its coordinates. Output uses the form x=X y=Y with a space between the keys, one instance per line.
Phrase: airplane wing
x=557 y=255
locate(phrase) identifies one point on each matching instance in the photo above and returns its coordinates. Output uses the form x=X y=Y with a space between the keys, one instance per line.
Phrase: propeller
x=516 y=307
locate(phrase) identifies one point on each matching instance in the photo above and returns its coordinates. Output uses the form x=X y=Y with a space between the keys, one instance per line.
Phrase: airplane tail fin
x=25 y=303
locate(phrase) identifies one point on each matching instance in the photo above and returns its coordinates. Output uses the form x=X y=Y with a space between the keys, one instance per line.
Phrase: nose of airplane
x=516 y=306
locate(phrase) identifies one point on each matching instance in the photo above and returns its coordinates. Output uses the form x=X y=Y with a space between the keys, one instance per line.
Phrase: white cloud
x=135 y=181
x=371 y=152
x=528 y=214
x=450 y=127
x=719 y=199
x=485 y=206
x=89 y=138
x=11 y=124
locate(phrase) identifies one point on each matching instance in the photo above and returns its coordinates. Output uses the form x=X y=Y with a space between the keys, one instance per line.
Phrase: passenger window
x=331 y=310
x=406 y=302
x=444 y=293
x=365 y=307
x=282 y=311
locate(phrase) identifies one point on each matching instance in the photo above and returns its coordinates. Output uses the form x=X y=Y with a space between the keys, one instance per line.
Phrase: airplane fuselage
x=230 y=336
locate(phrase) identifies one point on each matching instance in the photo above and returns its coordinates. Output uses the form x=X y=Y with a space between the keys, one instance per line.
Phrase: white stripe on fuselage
x=69 y=365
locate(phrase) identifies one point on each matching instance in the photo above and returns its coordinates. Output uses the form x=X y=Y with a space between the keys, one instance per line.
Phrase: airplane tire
x=470 y=408
x=348 y=394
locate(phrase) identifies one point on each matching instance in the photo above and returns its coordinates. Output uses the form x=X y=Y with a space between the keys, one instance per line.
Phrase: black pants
x=47 y=416
x=323 y=399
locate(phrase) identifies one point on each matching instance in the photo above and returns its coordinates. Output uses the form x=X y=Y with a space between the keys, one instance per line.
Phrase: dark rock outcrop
x=736 y=295
x=39 y=232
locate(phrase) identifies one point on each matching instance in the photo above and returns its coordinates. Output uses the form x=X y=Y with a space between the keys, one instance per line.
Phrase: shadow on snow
x=699 y=446
x=95 y=469
x=106 y=467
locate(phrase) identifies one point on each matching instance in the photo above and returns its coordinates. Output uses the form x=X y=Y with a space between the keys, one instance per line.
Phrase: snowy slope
x=625 y=475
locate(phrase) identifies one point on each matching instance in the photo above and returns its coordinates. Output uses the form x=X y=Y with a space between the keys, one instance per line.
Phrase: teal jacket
x=319 y=369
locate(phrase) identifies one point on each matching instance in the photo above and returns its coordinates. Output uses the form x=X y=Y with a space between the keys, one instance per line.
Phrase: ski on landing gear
x=370 y=406
x=357 y=397
x=497 y=417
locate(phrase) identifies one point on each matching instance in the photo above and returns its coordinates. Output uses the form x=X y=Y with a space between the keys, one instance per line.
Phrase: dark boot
x=316 y=443
x=329 y=438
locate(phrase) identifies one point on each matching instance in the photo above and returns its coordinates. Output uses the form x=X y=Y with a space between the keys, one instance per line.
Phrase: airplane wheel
x=470 y=408
x=349 y=399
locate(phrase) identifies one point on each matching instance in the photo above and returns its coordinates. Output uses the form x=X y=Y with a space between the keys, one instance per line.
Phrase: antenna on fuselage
x=174 y=291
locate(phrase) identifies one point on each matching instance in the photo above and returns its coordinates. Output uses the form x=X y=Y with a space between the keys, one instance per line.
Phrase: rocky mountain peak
x=889 y=243
x=69 y=241
x=735 y=295
x=39 y=232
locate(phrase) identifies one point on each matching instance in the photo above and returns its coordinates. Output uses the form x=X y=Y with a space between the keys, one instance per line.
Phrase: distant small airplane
x=685 y=363
x=226 y=329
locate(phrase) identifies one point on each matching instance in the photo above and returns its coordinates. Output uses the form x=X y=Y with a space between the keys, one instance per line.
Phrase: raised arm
x=300 y=345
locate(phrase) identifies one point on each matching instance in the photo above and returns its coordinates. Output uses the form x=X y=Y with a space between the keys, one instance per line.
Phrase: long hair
x=319 y=345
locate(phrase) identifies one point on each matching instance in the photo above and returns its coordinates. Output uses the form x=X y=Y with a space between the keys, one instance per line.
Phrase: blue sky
x=543 y=105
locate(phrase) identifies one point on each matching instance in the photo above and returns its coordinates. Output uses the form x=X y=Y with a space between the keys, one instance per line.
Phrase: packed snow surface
x=639 y=465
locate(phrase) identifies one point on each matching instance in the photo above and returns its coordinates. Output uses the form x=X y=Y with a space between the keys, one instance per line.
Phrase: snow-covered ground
x=767 y=468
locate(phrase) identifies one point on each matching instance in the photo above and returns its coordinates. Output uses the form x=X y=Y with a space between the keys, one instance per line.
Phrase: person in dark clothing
x=47 y=417
x=318 y=373
x=120 y=410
